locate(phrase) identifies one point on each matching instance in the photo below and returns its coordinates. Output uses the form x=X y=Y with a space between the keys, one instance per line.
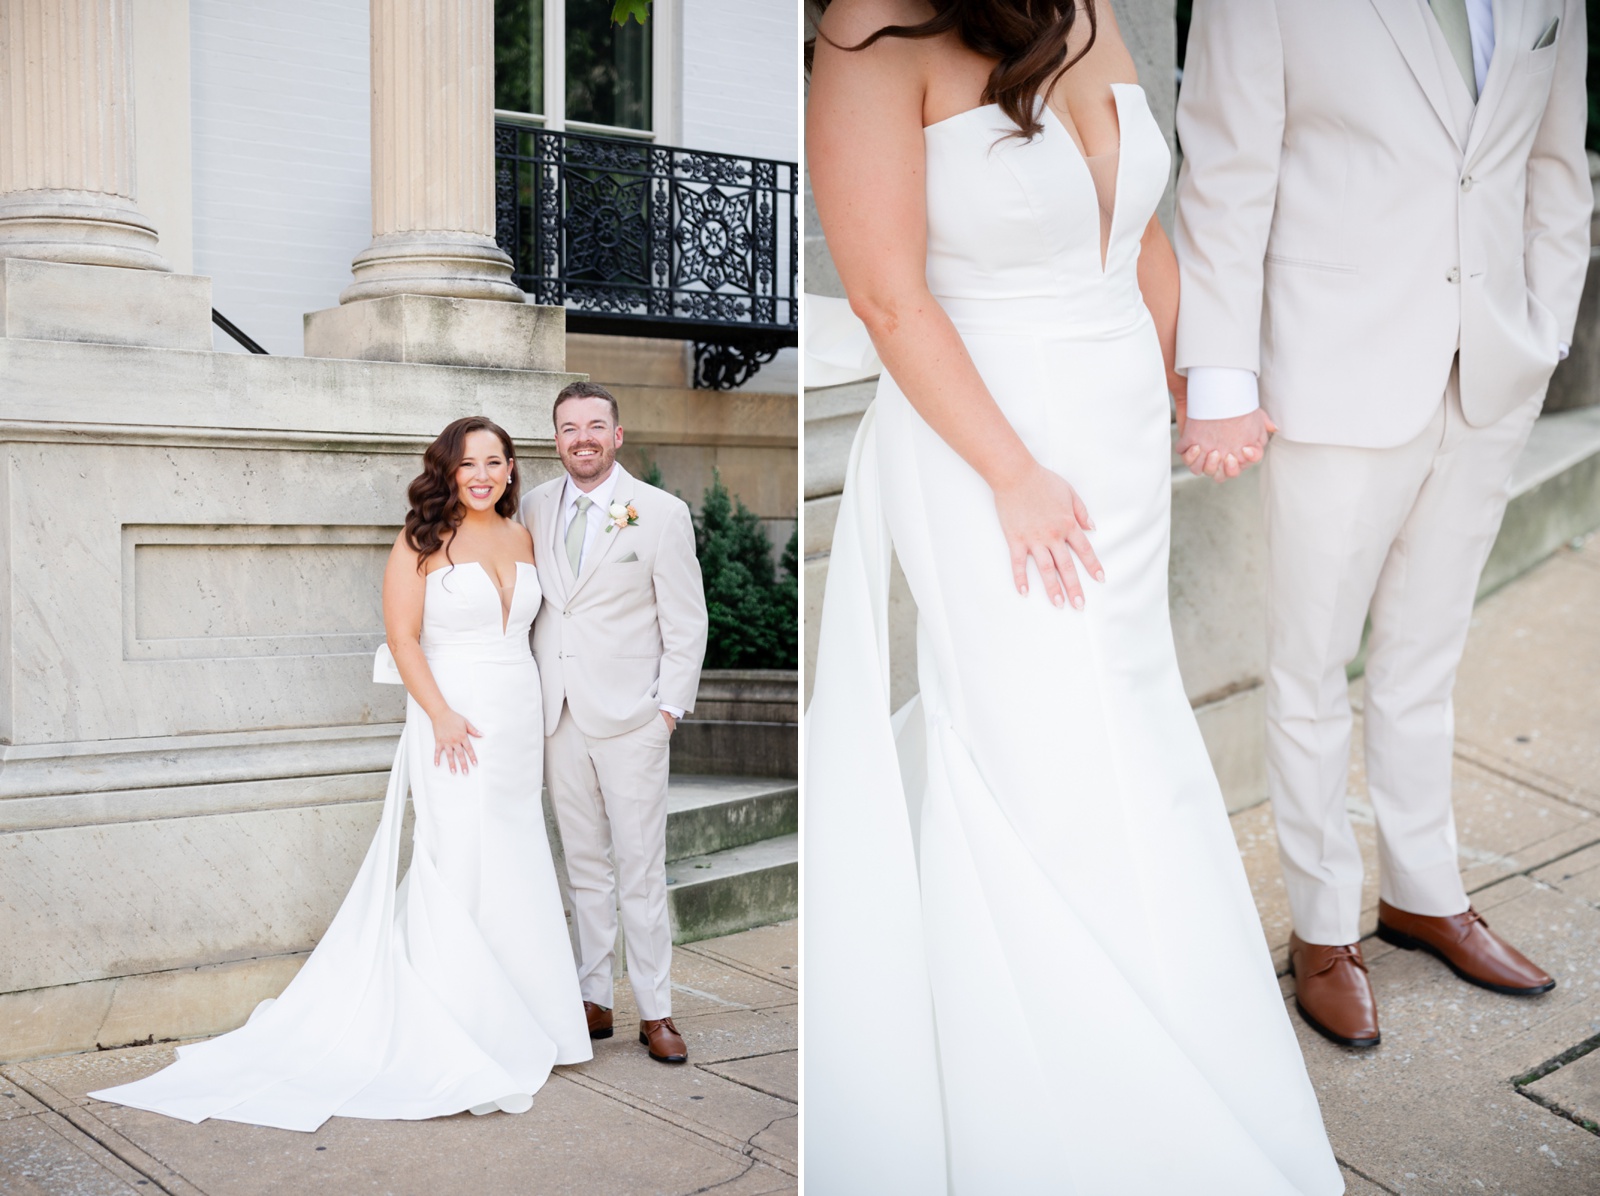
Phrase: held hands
x=1221 y=448
x=1043 y=517
x=452 y=740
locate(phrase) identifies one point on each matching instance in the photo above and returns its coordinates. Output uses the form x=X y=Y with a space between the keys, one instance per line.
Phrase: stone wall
x=194 y=753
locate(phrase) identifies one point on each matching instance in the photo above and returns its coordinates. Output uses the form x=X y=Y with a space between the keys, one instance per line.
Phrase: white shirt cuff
x=1562 y=350
x=1221 y=392
x=672 y=710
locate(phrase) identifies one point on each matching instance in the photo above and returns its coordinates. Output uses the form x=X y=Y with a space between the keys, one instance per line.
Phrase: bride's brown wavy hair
x=1028 y=37
x=436 y=506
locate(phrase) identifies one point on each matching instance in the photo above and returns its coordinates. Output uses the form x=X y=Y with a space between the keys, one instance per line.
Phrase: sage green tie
x=1457 y=30
x=576 y=530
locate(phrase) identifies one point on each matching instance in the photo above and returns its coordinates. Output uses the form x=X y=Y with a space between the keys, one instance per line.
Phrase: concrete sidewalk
x=1469 y=1091
x=618 y=1125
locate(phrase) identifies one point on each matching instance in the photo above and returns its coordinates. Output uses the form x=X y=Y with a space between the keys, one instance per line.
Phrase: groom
x=619 y=641
x=1383 y=230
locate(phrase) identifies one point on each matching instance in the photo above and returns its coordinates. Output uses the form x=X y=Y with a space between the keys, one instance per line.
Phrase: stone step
x=735 y=889
x=707 y=814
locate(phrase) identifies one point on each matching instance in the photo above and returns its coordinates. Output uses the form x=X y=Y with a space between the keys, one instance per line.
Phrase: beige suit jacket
x=629 y=632
x=1347 y=218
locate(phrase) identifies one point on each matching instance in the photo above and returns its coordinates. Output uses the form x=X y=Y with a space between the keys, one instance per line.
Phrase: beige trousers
x=610 y=799
x=1401 y=533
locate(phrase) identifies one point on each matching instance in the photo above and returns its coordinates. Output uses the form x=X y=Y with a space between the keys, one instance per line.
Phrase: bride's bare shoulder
x=849 y=22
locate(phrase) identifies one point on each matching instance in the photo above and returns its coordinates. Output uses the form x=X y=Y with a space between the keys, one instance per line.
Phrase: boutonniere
x=621 y=514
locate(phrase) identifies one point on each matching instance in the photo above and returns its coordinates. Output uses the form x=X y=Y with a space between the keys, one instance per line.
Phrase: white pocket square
x=632 y=556
x=1548 y=37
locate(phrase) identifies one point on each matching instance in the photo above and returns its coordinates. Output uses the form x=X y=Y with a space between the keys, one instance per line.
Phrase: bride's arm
x=404 y=586
x=864 y=146
x=1158 y=283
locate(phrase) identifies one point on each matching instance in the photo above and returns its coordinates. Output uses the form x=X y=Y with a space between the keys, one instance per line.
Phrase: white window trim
x=666 y=37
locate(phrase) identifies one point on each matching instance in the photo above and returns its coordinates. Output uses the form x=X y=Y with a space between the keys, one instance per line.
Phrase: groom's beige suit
x=616 y=643
x=1390 y=231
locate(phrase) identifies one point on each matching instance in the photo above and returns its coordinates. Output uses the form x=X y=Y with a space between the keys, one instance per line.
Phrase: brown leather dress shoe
x=599 y=1020
x=1332 y=992
x=665 y=1043
x=1468 y=948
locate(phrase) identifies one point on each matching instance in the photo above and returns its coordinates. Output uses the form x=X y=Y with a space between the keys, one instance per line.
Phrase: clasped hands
x=1042 y=516
x=1222 y=448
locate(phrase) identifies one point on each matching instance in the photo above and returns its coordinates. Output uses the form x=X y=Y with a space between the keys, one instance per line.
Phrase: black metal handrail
x=233 y=330
x=639 y=239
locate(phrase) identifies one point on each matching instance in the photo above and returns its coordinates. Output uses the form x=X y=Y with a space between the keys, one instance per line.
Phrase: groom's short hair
x=585 y=390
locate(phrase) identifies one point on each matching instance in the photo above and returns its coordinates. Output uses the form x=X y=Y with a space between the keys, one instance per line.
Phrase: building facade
x=192 y=750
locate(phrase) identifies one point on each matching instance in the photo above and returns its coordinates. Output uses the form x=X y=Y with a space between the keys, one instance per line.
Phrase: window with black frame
x=605 y=74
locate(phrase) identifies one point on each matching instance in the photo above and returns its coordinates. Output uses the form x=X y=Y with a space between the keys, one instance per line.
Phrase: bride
x=1033 y=960
x=457 y=990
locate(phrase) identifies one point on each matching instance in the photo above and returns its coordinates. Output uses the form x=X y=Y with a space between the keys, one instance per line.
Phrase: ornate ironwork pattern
x=640 y=239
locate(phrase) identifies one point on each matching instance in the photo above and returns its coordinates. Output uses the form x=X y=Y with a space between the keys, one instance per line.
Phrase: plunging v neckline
x=1116 y=180
x=494 y=584
x=1116 y=174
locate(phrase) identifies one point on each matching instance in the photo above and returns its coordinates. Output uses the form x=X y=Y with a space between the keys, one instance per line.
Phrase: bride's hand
x=1043 y=517
x=452 y=740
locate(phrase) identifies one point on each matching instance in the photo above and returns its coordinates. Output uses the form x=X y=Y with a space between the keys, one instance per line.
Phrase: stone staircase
x=733 y=853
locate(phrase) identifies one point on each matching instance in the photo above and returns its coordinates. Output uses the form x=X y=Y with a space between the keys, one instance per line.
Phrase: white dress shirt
x=1225 y=392
x=595 y=528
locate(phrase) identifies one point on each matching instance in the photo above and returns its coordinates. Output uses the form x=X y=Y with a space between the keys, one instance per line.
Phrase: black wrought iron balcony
x=639 y=239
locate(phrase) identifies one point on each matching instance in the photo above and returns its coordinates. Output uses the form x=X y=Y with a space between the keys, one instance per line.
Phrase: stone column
x=432 y=155
x=66 y=135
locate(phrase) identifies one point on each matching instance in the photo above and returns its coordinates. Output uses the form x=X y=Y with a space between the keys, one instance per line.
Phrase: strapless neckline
x=506 y=607
x=1111 y=204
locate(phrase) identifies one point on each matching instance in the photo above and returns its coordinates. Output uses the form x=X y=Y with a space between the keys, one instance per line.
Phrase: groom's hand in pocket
x=672 y=723
x=1223 y=448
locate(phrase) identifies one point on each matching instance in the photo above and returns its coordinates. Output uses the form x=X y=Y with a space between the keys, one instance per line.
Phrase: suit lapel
x=606 y=544
x=550 y=533
x=1510 y=24
x=1407 y=25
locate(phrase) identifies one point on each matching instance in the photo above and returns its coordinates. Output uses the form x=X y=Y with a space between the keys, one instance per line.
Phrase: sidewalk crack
x=1549 y=1066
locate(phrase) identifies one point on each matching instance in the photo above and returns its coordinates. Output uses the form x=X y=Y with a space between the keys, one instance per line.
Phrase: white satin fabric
x=457 y=990
x=1033 y=961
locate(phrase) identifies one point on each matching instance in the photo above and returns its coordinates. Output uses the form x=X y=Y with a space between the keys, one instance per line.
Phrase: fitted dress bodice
x=463 y=618
x=1014 y=226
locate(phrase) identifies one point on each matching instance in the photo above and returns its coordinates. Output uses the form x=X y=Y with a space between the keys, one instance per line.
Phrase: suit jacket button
x=1453 y=276
x=1466 y=183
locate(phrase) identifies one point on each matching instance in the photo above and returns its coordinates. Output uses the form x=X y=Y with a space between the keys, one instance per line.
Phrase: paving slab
x=1525 y=694
x=577 y=1141
x=619 y=1125
x=703 y=982
x=38 y=1160
x=1359 y=1185
x=770 y=951
x=1573 y=1090
x=777 y=1074
x=15 y=1101
x=1577 y=875
x=1433 y=1108
x=690 y=1095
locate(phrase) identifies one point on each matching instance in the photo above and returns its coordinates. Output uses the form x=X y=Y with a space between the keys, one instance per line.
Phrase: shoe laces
x=1346 y=954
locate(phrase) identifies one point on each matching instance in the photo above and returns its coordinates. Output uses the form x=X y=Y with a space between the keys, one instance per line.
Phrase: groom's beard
x=587 y=469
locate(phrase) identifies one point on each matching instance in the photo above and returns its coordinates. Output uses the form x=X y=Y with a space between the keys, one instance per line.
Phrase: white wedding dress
x=1033 y=961
x=457 y=989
